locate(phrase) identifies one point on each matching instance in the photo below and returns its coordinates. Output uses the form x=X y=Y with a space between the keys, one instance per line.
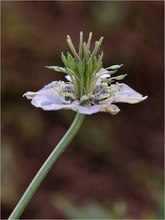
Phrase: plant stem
x=70 y=134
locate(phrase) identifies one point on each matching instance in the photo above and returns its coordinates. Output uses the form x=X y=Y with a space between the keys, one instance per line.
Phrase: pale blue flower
x=89 y=89
x=54 y=97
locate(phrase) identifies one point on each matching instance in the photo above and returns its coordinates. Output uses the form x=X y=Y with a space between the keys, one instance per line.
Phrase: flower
x=90 y=88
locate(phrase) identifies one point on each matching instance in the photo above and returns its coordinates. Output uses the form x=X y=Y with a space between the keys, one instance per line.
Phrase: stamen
x=97 y=46
x=115 y=67
x=68 y=89
x=101 y=91
x=72 y=48
x=89 y=41
x=120 y=77
x=64 y=59
x=85 y=50
x=101 y=88
x=81 y=45
x=56 y=68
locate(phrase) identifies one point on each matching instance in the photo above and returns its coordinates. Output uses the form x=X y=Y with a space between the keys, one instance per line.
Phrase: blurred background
x=114 y=167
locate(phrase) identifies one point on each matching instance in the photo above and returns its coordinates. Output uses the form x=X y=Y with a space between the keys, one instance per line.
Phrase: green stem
x=70 y=134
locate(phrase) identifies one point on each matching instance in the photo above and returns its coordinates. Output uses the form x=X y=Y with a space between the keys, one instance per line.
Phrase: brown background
x=114 y=167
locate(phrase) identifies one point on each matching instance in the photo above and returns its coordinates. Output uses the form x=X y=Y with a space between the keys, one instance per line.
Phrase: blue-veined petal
x=49 y=99
x=107 y=107
x=123 y=93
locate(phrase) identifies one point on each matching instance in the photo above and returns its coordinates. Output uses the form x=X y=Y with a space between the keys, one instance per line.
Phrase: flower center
x=82 y=66
x=85 y=72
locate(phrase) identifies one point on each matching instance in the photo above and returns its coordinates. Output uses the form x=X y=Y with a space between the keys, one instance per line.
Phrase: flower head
x=90 y=88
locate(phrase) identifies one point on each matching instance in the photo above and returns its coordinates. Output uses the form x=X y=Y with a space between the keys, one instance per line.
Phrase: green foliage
x=90 y=209
x=94 y=210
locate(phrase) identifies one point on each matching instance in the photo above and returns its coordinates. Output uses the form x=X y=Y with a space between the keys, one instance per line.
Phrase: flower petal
x=89 y=110
x=49 y=99
x=110 y=108
x=52 y=101
x=68 y=78
x=102 y=74
x=123 y=93
x=29 y=95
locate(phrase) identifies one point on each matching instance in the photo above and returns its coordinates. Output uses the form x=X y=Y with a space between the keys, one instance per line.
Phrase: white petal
x=54 y=84
x=102 y=74
x=48 y=99
x=51 y=100
x=29 y=95
x=68 y=78
x=89 y=110
x=123 y=93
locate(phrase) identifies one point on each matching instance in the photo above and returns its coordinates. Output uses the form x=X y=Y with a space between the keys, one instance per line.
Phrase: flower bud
x=115 y=67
